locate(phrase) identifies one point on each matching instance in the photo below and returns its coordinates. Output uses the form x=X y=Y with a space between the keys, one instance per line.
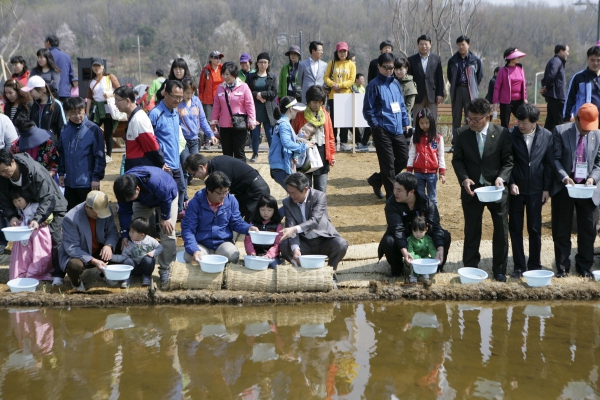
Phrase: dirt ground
x=353 y=208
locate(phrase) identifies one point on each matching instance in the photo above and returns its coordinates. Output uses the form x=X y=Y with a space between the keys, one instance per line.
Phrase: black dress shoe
x=451 y=149
x=517 y=274
x=586 y=274
x=376 y=190
x=561 y=274
x=500 y=277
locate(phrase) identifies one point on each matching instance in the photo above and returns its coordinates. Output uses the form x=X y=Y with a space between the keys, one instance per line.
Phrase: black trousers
x=333 y=247
x=555 y=113
x=366 y=136
x=75 y=196
x=392 y=154
x=516 y=207
x=507 y=109
x=233 y=143
x=460 y=100
x=249 y=199
x=108 y=133
x=562 y=220
x=75 y=268
x=393 y=254
x=56 y=235
x=473 y=213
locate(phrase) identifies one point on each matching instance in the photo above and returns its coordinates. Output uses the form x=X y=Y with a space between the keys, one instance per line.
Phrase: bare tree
x=11 y=14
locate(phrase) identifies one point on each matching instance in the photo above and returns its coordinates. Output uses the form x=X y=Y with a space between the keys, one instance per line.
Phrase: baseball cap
x=35 y=81
x=216 y=54
x=341 y=46
x=98 y=201
x=588 y=117
x=245 y=57
x=97 y=61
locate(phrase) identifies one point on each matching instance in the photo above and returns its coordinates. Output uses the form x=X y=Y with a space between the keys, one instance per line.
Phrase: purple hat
x=515 y=54
x=293 y=49
x=245 y=57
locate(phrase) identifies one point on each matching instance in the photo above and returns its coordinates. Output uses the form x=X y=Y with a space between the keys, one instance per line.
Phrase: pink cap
x=341 y=46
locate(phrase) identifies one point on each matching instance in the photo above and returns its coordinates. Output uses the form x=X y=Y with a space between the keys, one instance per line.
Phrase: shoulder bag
x=326 y=87
x=239 y=122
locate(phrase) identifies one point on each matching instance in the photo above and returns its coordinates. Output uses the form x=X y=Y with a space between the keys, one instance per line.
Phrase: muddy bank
x=485 y=291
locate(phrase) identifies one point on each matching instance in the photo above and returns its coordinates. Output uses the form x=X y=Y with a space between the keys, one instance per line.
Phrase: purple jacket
x=502 y=90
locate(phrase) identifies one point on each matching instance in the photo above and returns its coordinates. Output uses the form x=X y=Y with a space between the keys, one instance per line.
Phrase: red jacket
x=209 y=82
x=427 y=157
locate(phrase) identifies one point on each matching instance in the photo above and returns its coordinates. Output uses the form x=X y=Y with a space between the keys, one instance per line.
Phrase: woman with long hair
x=47 y=69
x=324 y=139
x=20 y=71
x=16 y=101
x=288 y=77
x=210 y=79
x=233 y=98
x=102 y=87
x=46 y=112
x=510 y=89
x=179 y=71
x=340 y=76
x=263 y=84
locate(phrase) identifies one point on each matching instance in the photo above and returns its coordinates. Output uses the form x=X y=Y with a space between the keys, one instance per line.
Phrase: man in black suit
x=426 y=69
x=483 y=157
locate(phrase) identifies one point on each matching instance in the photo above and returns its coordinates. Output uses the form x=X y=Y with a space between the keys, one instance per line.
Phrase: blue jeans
x=430 y=180
x=191 y=147
x=256 y=136
x=279 y=177
x=273 y=264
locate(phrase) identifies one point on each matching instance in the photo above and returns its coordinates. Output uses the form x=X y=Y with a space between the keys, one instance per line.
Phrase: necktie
x=580 y=155
x=480 y=144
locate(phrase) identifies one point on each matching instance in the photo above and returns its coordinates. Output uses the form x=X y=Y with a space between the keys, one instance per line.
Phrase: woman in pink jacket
x=510 y=90
x=233 y=98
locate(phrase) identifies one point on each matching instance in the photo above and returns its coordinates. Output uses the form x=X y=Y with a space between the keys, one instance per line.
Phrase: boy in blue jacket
x=81 y=161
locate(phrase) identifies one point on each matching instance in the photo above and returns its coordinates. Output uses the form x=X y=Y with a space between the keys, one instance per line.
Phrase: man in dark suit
x=426 y=69
x=307 y=227
x=483 y=157
x=530 y=182
x=579 y=139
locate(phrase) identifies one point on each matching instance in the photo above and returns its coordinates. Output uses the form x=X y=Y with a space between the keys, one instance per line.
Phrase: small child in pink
x=266 y=218
x=31 y=258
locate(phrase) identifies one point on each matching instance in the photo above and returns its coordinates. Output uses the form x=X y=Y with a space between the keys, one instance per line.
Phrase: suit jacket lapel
x=473 y=140
x=591 y=154
x=490 y=139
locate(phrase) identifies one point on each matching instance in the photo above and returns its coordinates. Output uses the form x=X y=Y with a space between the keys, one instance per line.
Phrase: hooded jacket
x=579 y=92
x=474 y=73
x=284 y=145
x=52 y=118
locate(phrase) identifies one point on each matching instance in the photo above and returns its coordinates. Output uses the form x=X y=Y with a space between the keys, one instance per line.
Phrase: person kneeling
x=266 y=218
x=141 y=251
x=210 y=220
x=420 y=245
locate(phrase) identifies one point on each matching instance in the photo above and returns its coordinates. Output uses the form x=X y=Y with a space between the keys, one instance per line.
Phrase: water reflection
x=372 y=350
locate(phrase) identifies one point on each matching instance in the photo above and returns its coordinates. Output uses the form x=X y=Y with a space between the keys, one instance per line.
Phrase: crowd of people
x=54 y=149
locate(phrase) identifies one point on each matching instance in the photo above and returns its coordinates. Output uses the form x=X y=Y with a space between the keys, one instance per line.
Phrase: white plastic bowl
x=425 y=320
x=580 y=191
x=257 y=329
x=316 y=261
x=596 y=275
x=263 y=237
x=213 y=263
x=263 y=352
x=313 y=330
x=489 y=194
x=117 y=272
x=425 y=266
x=257 y=263
x=538 y=278
x=471 y=275
x=17 y=233
x=23 y=284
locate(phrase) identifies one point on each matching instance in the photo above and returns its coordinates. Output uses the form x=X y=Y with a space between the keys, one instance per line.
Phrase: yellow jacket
x=344 y=74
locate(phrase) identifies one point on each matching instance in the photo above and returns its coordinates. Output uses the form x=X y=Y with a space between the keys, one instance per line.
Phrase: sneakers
x=207 y=147
x=254 y=157
x=345 y=147
x=126 y=283
x=146 y=281
x=57 y=281
x=362 y=148
x=108 y=159
x=79 y=288
x=164 y=279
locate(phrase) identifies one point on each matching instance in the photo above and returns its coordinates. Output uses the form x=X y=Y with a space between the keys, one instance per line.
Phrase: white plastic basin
x=257 y=263
x=316 y=261
x=313 y=330
x=489 y=194
x=425 y=266
x=425 y=320
x=596 y=275
x=117 y=272
x=263 y=237
x=471 y=275
x=213 y=263
x=580 y=191
x=257 y=329
x=538 y=278
x=17 y=233
x=263 y=352
x=23 y=284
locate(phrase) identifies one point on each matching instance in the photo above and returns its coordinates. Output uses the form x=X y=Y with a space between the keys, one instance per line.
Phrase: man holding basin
x=576 y=161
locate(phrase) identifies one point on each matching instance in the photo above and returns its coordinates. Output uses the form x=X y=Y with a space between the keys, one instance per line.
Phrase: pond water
x=370 y=350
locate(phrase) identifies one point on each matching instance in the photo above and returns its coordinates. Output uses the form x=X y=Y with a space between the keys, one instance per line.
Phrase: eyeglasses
x=118 y=100
x=178 y=99
x=388 y=67
x=476 y=120
x=78 y=114
x=221 y=194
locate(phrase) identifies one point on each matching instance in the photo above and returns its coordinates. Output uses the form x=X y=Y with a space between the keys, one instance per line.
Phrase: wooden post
x=353 y=122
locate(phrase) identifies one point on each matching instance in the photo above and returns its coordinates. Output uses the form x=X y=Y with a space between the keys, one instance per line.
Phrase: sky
x=551 y=2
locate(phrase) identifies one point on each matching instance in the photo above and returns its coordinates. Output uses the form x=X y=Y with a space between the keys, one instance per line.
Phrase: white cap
x=34 y=82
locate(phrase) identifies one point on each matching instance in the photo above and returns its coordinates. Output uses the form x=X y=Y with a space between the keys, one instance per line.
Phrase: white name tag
x=395 y=107
x=581 y=170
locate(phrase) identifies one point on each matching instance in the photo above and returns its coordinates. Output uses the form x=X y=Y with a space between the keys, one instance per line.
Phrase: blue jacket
x=81 y=154
x=283 y=145
x=579 y=92
x=193 y=117
x=63 y=62
x=157 y=189
x=377 y=107
x=202 y=226
x=166 y=129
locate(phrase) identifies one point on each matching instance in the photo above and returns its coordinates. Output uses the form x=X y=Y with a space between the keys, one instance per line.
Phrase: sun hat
x=293 y=49
x=296 y=106
x=588 y=117
x=98 y=201
x=515 y=54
